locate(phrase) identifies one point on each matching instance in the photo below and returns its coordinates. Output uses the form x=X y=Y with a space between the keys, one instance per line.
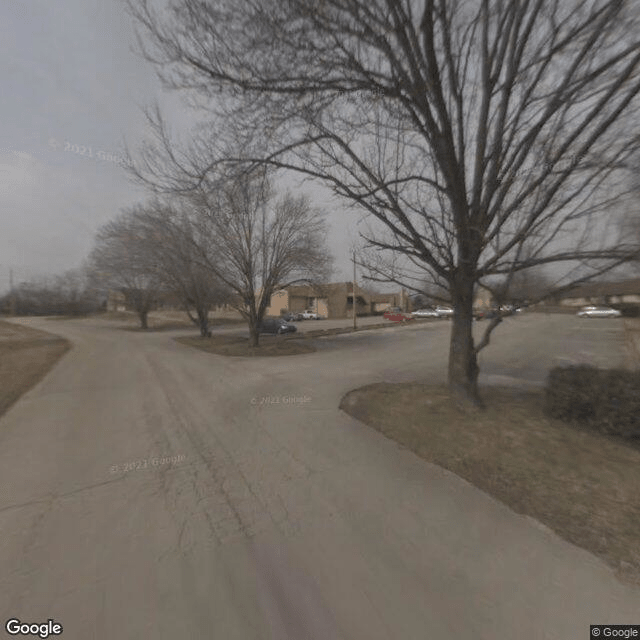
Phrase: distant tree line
x=68 y=294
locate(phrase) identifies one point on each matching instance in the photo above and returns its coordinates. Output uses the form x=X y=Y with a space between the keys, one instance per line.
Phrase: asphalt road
x=148 y=490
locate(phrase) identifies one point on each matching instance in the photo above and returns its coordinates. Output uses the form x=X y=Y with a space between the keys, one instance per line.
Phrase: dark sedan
x=277 y=326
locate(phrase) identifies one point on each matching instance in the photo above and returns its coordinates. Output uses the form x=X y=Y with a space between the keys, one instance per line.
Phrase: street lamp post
x=353 y=297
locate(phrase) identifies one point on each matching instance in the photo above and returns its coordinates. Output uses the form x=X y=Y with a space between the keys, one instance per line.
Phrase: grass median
x=284 y=345
x=239 y=346
x=26 y=356
x=581 y=484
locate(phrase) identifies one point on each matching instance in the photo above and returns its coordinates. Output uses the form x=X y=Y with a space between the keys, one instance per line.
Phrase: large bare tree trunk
x=203 y=321
x=254 y=335
x=463 y=361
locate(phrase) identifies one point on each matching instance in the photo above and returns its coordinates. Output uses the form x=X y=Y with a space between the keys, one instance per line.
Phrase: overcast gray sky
x=71 y=85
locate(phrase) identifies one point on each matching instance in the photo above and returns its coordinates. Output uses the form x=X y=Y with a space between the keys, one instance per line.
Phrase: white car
x=425 y=313
x=510 y=308
x=310 y=315
x=444 y=312
x=598 y=312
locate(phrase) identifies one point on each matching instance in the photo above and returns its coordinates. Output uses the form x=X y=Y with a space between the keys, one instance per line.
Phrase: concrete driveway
x=148 y=490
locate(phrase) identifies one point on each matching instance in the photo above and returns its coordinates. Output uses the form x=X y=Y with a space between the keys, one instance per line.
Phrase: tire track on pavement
x=214 y=491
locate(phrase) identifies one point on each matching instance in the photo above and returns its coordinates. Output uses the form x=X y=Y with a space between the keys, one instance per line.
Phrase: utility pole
x=12 y=294
x=353 y=296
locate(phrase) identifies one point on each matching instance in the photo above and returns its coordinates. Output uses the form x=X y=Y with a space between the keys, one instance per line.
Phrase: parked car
x=396 y=314
x=444 y=312
x=309 y=315
x=494 y=312
x=277 y=326
x=598 y=312
x=292 y=317
x=510 y=308
x=488 y=314
x=425 y=313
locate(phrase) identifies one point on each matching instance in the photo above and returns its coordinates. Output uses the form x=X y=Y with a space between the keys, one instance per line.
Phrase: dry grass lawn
x=163 y=320
x=26 y=355
x=582 y=485
x=318 y=333
x=237 y=346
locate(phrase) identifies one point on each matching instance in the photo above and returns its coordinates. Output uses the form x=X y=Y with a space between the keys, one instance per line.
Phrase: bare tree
x=251 y=241
x=525 y=286
x=171 y=238
x=630 y=224
x=464 y=128
x=121 y=260
x=435 y=291
x=255 y=243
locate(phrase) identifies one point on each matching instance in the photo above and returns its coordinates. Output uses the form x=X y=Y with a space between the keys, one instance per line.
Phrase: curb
x=321 y=333
x=632 y=336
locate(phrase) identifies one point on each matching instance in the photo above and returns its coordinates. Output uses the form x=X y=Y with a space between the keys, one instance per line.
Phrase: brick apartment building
x=333 y=300
x=609 y=293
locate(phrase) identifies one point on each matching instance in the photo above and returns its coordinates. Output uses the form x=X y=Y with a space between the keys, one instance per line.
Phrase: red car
x=396 y=314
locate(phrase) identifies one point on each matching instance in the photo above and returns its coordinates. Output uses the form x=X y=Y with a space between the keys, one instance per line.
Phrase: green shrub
x=606 y=400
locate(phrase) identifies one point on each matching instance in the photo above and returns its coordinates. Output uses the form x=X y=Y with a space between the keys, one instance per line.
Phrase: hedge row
x=606 y=400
